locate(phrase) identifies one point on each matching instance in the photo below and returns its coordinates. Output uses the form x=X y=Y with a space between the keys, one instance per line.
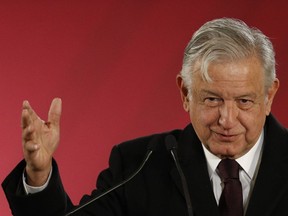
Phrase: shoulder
x=275 y=140
x=273 y=128
x=140 y=145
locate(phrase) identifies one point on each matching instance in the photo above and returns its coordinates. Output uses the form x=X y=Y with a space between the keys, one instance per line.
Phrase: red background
x=113 y=63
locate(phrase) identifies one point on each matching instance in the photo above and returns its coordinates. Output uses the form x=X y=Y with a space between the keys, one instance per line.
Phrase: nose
x=228 y=114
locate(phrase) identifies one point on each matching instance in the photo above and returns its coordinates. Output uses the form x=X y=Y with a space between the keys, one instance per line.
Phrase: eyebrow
x=204 y=92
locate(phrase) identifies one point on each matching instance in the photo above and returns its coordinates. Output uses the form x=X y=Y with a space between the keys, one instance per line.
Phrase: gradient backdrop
x=113 y=63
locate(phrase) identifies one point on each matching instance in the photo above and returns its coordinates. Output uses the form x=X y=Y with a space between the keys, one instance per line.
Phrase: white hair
x=227 y=39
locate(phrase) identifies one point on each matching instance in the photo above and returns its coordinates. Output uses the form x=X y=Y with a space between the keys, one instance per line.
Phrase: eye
x=213 y=101
x=244 y=103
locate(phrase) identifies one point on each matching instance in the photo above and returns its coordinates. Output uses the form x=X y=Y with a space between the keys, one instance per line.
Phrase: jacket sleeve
x=51 y=201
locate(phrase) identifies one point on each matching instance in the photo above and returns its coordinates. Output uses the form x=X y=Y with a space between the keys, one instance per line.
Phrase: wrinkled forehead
x=209 y=68
x=231 y=79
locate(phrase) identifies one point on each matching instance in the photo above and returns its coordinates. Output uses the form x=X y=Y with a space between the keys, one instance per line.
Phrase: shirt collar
x=248 y=162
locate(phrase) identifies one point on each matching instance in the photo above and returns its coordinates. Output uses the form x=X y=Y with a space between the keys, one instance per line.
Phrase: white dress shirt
x=30 y=189
x=249 y=168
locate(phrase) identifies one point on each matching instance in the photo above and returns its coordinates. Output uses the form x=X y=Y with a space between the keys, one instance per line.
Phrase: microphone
x=147 y=156
x=171 y=145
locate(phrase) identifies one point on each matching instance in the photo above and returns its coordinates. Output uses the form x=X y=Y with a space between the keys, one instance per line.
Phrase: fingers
x=28 y=114
x=33 y=127
x=25 y=120
x=28 y=137
x=55 y=112
x=28 y=128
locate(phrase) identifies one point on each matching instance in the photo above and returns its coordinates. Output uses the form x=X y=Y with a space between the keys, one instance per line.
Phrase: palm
x=40 y=139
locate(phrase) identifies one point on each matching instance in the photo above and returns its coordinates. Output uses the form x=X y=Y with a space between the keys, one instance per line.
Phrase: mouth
x=226 y=137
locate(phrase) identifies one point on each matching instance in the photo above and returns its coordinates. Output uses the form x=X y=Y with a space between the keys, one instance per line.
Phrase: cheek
x=253 y=126
x=202 y=119
x=203 y=115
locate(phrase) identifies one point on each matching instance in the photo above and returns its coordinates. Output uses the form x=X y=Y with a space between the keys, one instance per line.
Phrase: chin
x=226 y=152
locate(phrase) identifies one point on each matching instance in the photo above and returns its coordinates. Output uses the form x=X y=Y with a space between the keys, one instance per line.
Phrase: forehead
x=250 y=66
x=246 y=74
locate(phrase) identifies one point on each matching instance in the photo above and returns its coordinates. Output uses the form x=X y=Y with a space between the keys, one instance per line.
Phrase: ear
x=270 y=95
x=183 y=92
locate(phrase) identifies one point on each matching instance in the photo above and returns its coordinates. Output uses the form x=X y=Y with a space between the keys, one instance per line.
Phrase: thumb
x=55 y=111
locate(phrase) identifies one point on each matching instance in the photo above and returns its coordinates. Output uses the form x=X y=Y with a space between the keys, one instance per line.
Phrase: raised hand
x=40 y=140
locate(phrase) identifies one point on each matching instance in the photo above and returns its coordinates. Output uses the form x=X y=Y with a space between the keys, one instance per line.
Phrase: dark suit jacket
x=157 y=189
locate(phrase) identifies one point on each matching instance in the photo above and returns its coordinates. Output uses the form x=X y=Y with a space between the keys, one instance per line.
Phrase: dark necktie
x=231 y=200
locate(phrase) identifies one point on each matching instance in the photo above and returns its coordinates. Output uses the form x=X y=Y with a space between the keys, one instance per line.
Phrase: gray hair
x=230 y=40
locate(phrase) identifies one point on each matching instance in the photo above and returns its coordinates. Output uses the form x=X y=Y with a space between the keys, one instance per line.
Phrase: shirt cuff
x=31 y=189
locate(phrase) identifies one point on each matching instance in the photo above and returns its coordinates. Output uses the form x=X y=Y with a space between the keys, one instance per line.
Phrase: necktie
x=231 y=200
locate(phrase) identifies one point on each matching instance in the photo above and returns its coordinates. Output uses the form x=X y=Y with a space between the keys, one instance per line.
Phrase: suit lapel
x=272 y=178
x=193 y=163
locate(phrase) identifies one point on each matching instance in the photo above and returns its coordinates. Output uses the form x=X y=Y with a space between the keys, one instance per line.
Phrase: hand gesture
x=40 y=140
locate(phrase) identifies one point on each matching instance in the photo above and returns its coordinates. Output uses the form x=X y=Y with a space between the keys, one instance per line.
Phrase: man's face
x=228 y=114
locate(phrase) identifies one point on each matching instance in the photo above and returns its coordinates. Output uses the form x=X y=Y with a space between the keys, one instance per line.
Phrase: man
x=227 y=85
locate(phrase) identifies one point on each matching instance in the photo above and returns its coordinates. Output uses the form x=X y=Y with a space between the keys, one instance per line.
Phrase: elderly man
x=231 y=160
